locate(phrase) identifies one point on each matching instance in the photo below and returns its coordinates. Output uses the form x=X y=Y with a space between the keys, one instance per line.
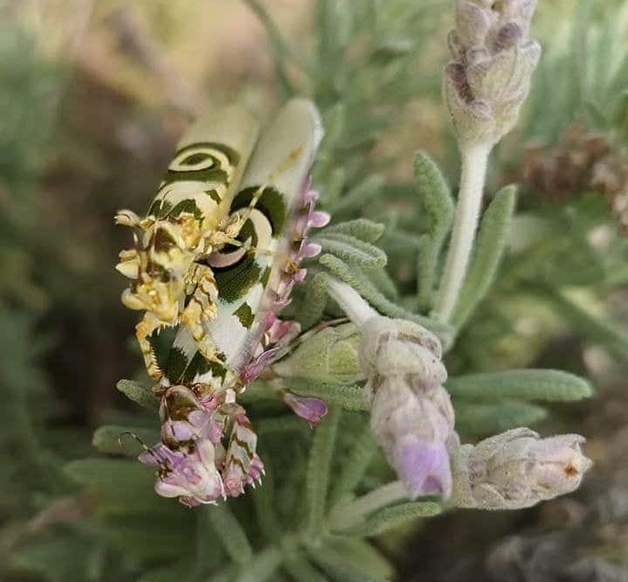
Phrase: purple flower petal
x=310 y=409
x=424 y=467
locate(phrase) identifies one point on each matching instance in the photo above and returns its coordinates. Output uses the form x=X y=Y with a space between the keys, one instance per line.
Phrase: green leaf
x=334 y=119
x=165 y=574
x=483 y=419
x=439 y=206
x=333 y=30
x=356 y=278
x=318 y=470
x=301 y=570
x=112 y=474
x=357 y=197
x=383 y=282
x=230 y=533
x=348 y=397
x=392 y=517
x=264 y=500
x=60 y=560
x=313 y=306
x=592 y=325
x=364 y=554
x=351 y=250
x=139 y=394
x=120 y=440
x=287 y=423
x=209 y=553
x=280 y=51
x=356 y=463
x=341 y=566
x=361 y=228
x=262 y=567
x=548 y=385
x=333 y=186
x=488 y=252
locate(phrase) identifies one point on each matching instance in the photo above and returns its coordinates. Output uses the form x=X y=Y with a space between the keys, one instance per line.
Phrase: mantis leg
x=143 y=330
x=202 y=308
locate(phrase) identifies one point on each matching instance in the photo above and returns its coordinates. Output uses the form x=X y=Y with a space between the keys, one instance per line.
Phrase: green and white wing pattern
x=252 y=278
x=187 y=219
x=207 y=167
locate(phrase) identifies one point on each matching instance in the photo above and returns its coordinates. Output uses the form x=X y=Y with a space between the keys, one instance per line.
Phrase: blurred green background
x=93 y=96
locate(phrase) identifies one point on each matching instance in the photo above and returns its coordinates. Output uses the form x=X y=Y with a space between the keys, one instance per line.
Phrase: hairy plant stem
x=350 y=301
x=473 y=175
x=347 y=515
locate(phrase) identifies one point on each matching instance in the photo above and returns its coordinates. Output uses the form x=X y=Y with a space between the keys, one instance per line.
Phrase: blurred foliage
x=86 y=132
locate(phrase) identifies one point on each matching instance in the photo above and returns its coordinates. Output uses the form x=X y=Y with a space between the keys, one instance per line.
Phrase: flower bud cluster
x=517 y=469
x=493 y=59
x=207 y=448
x=411 y=413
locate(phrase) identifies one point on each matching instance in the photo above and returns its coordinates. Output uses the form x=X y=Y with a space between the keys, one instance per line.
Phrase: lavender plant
x=409 y=420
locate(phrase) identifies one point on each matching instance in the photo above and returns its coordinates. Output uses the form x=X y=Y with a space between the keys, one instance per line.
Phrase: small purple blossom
x=308 y=408
x=423 y=467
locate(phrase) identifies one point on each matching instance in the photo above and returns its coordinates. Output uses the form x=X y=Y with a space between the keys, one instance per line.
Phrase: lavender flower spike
x=411 y=414
x=517 y=469
x=493 y=60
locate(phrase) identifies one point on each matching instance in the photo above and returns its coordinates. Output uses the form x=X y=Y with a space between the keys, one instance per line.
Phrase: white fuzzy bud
x=517 y=469
x=488 y=78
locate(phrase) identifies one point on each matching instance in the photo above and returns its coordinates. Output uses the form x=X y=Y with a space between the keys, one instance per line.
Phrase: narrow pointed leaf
x=318 y=470
x=358 y=196
x=392 y=517
x=301 y=569
x=340 y=566
x=548 y=385
x=360 y=228
x=348 y=397
x=264 y=500
x=119 y=440
x=230 y=532
x=313 y=306
x=383 y=282
x=356 y=463
x=139 y=394
x=351 y=250
x=593 y=325
x=262 y=567
x=484 y=419
x=365 y=554
x=111 y=473
x=490 y=246
x=438 y=203
x=354 y=277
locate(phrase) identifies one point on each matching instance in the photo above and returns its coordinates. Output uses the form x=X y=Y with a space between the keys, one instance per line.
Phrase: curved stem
x=350 y=301
x=347 y=515
x=474 y=164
